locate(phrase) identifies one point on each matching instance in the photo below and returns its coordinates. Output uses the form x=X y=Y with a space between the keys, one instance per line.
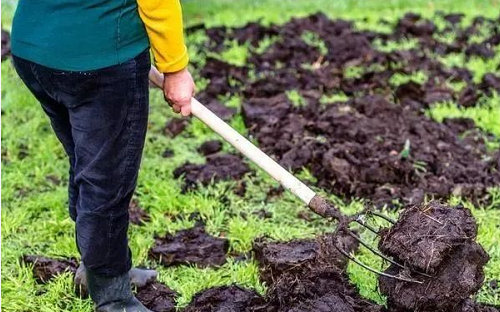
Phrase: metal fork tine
x=383 y=216
x=404 y=279
x=375 y=251
x=369 y=227
x=381 y=255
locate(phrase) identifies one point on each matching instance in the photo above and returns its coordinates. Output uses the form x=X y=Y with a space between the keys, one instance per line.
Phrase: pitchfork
x=315 y=202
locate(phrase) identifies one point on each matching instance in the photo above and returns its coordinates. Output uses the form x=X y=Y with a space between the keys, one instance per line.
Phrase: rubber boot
x=113 y=294
x=138 y=278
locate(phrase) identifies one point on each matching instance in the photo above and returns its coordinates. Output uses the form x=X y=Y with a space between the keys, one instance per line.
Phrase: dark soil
x=5 y=44
x=225 y=299
x=191 y=246
x=424 y=234
x=218 y=167
x=45 y=269
x=309 y=275
x=157 y=297
x=223 y=112
x=210 y=147
x=175 y=126
x=355 y=148
x=137 y=215
x=438 y=240
x=471 y=306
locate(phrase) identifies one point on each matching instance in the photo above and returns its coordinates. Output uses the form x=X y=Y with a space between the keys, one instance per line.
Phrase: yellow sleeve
x=163 y=21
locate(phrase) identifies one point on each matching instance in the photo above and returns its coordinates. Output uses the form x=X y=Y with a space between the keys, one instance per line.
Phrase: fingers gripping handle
x=266 y=163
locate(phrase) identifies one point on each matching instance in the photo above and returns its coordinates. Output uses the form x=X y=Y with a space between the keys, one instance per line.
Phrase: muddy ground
x=378 y=144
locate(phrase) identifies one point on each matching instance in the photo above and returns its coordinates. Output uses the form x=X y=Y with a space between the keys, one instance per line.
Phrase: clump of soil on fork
x=191 y=246
x=440 y=241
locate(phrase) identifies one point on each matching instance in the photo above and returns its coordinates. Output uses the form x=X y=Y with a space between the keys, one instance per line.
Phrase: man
x=87 y=63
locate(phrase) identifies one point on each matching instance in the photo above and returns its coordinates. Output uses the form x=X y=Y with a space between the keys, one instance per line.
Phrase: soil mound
x=45 y=269
x=438 y=240
x=175 y=126
x=218 y=167
x=157 y=297
x=308 y=275
x=191 y=246
x=225 y=299
x=210 y=147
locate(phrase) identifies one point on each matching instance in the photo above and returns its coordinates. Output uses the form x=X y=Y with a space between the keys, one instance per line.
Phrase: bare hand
x=178 y=89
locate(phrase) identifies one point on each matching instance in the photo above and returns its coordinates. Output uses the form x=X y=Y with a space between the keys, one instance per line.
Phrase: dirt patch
x=45 y=269
x=218 y=167
x=225 y=298
x=471 y=306
x=191 y=246
x=137 y=215
x=175 y=126
x=438 y=240
x=157 y=297
x=356 y=148
x=210 y=147
x=375 y=149
x=309 y=275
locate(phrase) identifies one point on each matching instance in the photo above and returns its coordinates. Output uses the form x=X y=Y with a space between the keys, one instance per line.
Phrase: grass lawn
x=34 y=218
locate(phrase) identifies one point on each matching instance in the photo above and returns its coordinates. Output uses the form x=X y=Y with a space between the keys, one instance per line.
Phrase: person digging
x=87 y=63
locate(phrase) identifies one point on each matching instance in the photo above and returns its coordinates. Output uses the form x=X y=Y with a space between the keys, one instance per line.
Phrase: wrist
x=175 y=72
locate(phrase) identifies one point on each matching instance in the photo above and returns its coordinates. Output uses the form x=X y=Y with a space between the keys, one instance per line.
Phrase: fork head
x=326 y=209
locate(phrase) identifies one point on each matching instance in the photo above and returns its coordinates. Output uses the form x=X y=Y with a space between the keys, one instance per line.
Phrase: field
x=391 y=110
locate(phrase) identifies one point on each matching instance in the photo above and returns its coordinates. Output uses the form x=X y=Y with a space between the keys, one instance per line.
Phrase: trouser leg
x=59 y=119
x=109 y=125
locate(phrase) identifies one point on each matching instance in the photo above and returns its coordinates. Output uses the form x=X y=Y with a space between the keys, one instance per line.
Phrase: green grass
x=34 y=214
x=486 y=115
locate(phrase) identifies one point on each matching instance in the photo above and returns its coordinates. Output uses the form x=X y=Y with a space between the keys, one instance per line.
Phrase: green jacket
x=78 y=35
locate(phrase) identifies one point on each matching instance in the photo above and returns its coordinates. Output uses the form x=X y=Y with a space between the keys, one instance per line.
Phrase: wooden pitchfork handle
x=261 y=159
